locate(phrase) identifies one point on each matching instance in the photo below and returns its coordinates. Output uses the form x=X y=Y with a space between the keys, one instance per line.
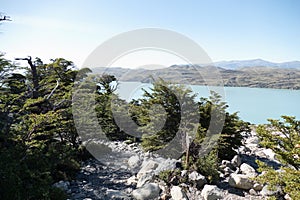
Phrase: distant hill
x=242 y=76
x=237 y=64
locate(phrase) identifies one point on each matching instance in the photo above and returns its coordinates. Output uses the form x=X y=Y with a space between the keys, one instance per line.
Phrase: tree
x=283 y=137
x=166 y=117
x=38 y=140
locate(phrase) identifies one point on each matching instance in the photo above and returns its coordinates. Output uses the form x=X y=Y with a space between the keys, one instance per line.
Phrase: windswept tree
x=38 y=140
x=283 y=137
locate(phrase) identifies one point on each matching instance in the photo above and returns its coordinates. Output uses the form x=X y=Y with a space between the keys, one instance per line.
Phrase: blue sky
x=225 y=29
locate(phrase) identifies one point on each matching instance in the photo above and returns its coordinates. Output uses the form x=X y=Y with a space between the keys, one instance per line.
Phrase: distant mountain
x=237 y=64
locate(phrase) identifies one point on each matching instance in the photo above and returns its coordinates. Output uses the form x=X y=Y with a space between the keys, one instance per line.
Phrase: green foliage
x=208 y=166
x=164 y=113
x=283 y=137
x=38 y=141
x=164 y=104
x=171 y=176
x=228 y=136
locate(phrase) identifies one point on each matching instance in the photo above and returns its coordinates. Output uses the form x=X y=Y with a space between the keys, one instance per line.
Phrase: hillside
x=259 y=77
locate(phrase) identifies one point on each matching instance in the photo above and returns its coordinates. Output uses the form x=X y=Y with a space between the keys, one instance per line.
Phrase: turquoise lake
x=254 y=105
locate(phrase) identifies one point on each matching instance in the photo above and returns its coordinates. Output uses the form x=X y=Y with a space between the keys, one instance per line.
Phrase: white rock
x=269 y=154
x=236 y=161
x=247 y=169
x=267 y=192
x=212 y=192
x=116 y=194
x=252 y=140
x=183 y=172
x=164 y=164
x=132 y=180
x=226 y=163
x=253 y=192
x=146 y=178
x=148 y=191
x=147 y=167
x=134 y=161
x=257 y=187
x=198 y=178
x=287 y=197
x=241 y=181
x=178 y=194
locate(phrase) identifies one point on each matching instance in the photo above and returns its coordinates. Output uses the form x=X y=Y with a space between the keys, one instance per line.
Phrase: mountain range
x=237 y=64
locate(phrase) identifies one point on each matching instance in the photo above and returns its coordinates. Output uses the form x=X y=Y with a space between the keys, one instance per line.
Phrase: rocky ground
x=133 y=175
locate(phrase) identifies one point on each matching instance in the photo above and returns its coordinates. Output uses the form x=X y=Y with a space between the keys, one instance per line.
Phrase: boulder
x=165 y=164
x=212 y=192
x=253 y=192
x=116 y=194
x=178 y=194
x=148 y=191
x=268 y=192
x=269 y=154
x=241 y=181
x=257 y=187
x=147 y=166
x=134 y=161
x=226 y=163
x=197 y=178
x=247 y=169
x=236 y=161
x=132 y=180
x=146 y=178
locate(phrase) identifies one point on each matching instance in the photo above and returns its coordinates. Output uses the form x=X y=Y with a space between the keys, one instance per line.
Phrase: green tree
x=283 y=137
x=38 y=141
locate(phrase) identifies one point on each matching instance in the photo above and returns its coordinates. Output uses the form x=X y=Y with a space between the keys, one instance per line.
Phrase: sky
x=225 y=29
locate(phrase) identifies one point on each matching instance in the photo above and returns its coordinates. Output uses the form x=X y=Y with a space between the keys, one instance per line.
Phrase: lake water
x=254 y=105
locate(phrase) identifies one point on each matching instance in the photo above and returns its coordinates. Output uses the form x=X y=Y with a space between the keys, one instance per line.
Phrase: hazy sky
x=225 y=29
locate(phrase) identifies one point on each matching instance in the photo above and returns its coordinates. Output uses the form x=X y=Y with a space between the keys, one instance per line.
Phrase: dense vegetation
x=38 y=141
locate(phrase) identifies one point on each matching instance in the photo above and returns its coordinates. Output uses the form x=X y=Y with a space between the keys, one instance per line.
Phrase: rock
x=269 y=154
x=197 y=178
x=253 y=192
x=146 y=178
x=227 y=171
x=132 y=180
x=134 y=161
x=241 y=181
x=287 y=197
x=212 y=192
x=267 y=192
x=147 y=167
x=227 y=163
x=64 y=185
x=257 y=187
x=165 y=164
x=183 y=173
x=236 y=161
x=116 y=194
x=247 y=169
x=178 y=194
x=148 y=191
x=252 y=140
